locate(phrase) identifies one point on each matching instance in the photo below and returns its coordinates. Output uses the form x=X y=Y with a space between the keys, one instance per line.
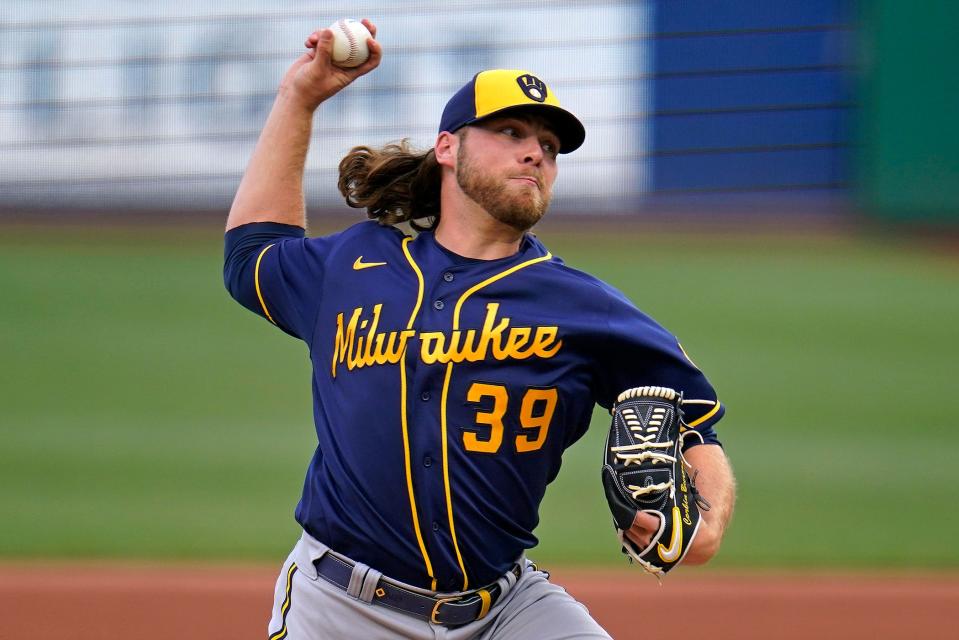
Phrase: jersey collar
x=530 y=247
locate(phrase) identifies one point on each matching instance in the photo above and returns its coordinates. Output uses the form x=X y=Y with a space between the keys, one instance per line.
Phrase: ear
x=446 y=148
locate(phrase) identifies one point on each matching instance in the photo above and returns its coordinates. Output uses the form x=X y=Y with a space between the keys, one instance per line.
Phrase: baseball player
x=451 y=367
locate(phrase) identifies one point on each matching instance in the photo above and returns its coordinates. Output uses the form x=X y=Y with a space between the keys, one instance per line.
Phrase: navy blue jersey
x=445 y=389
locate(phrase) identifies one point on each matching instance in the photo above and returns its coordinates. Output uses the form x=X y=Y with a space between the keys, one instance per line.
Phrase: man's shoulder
x=578 y=279
x=361 y=236
x=369 y=230
x=581 y=288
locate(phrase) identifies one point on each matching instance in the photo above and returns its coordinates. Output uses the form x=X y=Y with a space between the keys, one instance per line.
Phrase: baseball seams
x=354 y=49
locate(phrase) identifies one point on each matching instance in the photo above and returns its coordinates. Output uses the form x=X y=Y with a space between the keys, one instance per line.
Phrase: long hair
x=395 y=184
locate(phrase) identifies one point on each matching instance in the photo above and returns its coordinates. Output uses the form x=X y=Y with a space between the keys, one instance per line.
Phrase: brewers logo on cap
x=533 y=87
x=497 y=91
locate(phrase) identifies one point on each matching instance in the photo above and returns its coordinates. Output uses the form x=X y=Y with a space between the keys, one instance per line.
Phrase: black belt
x=448 y=611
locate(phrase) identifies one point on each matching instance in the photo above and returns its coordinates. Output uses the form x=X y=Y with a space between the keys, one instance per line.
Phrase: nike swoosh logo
x=671 y=554
x=359 y=264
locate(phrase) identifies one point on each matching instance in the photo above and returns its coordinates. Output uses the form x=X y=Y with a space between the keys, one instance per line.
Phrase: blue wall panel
x=748 y=51
x=744 y=91
x=748 y=170
x=719 y=15
x=751 y=129
x=751 y=98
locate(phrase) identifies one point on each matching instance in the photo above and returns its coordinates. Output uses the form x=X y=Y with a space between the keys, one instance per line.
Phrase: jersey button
x=436 y=526
x=425 y=396
x=448 y=276
x=438 y=305
x=427 y=461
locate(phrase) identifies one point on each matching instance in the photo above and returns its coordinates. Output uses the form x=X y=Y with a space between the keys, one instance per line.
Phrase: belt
x=448 y=611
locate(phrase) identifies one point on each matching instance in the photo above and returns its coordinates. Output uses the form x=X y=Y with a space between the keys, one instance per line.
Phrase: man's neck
x=473 y=233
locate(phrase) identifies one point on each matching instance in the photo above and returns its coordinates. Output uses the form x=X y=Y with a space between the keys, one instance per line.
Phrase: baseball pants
x=308 y=607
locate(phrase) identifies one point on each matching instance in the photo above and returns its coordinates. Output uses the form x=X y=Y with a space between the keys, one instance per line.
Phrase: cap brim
x=565 y=125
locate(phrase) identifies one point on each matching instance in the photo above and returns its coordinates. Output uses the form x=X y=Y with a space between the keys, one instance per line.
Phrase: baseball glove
x=644 y=470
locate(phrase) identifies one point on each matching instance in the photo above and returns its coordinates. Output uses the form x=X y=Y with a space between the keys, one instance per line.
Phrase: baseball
x=349 y=43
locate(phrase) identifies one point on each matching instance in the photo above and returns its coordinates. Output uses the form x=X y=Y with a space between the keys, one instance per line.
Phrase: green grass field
x=144 y=414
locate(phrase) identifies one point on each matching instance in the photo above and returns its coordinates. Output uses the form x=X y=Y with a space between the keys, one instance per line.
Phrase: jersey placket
x=446 y=288
x=426 y=441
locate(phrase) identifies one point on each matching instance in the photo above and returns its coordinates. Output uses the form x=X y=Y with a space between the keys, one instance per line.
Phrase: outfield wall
x=909 y=153
x=109 y=104
x=752 y=103
x=779 y=106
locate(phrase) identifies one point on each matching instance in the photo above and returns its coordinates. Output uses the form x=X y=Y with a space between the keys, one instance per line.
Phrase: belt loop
x=356 y=579
x=506 y=582
x=370 y=581
x=310 y=550
x=510 y=578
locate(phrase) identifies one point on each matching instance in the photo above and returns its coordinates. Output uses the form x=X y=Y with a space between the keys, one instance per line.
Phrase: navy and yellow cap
x=497 y=91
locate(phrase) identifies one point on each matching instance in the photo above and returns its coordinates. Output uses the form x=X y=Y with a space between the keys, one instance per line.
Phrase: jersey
x=445 y=389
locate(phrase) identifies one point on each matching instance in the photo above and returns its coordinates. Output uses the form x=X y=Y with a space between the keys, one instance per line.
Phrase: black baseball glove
x=644 y=470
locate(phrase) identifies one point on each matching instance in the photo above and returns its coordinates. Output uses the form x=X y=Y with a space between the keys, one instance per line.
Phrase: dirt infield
x=86 y=602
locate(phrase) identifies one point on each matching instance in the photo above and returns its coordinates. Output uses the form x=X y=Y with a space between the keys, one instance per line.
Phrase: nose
x=532 y=151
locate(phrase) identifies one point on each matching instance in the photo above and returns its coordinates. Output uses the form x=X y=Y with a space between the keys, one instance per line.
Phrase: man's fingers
x=312 y=39
x=646 y=521
x=322 y=49
x=323 y=41
x=370 y=26
x=641 y=540
x=376 y=54
x=644 y=528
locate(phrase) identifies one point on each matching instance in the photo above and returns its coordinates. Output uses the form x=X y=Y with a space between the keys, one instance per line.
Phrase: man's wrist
x=289 y=98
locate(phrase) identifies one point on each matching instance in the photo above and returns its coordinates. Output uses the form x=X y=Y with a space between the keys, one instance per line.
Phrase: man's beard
x=518 y=211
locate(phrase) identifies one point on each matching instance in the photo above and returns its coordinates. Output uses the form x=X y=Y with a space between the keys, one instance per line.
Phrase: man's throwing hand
x=313 y=77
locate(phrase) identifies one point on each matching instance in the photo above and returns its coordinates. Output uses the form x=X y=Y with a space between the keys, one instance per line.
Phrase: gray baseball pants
x=307 y=607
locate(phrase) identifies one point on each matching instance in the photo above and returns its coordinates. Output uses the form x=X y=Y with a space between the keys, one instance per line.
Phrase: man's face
x=507 y=165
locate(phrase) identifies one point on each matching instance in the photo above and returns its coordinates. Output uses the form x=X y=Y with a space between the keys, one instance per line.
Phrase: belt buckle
x=436 y=607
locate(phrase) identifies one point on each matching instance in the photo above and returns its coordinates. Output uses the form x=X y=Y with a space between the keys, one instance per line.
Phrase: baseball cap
x=497 y=91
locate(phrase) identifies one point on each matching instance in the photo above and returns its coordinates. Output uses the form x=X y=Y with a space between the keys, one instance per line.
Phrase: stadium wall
x=908 y=156
x=714 y=107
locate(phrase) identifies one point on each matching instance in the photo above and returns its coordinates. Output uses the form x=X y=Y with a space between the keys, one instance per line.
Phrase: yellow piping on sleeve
x=256 y=281
x=706 y=417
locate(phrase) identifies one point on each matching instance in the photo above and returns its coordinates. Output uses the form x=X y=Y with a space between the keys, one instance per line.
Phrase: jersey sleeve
x=640 y=352
x=273 y=270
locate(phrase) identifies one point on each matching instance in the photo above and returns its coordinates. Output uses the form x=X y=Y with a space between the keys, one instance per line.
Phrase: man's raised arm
x=272 y=186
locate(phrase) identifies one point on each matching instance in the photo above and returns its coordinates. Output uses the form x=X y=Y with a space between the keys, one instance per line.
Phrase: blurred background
x=775 y=182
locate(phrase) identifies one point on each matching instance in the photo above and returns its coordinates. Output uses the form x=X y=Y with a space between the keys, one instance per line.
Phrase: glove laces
x=646 y=448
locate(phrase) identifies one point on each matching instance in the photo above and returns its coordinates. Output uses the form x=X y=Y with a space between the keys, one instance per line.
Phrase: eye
x=510 y=131
x=550 y=147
